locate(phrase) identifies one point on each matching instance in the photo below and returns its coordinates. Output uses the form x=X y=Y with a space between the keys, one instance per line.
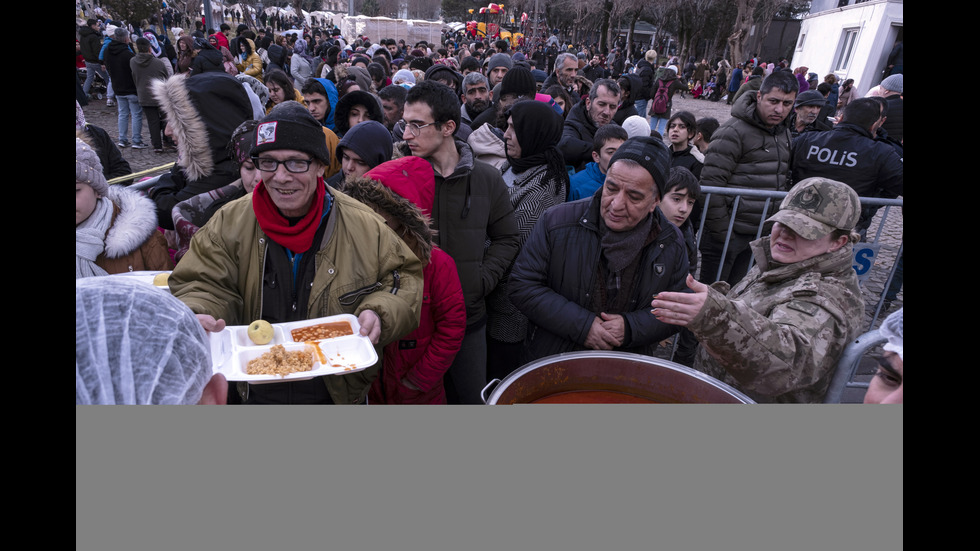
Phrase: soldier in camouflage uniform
x=778 y=334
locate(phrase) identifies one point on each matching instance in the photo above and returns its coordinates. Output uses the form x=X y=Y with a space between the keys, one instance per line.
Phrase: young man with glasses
x=471 y=208
x=295 y=250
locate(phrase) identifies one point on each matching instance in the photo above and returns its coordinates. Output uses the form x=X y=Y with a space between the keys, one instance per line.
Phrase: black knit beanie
x=291 y=126
x=651 y=154
x=518 y=81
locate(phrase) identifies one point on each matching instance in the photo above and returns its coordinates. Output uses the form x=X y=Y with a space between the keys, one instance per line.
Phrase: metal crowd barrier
x=847 y=366
x=866 y=260
x=867 y=252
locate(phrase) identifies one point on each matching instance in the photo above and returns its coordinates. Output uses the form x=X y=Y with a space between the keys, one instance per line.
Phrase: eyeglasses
x=416 y=128
x=296 y=166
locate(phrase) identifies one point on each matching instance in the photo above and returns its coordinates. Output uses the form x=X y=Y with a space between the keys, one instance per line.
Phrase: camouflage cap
x=815 y=207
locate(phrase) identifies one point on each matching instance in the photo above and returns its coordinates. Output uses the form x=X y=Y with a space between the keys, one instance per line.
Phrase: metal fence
x=877 y=260
x=877 y=257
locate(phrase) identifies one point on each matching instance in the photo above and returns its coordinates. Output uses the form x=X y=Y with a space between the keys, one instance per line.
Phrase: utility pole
x=208 y=20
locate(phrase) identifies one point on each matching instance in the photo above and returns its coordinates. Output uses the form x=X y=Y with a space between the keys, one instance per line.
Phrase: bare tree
x=740 y=30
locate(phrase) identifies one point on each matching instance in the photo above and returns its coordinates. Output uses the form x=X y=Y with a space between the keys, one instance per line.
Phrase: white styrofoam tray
x=231 y=350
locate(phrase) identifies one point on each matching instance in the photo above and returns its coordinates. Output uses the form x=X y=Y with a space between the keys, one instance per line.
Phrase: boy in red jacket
x=402 y=192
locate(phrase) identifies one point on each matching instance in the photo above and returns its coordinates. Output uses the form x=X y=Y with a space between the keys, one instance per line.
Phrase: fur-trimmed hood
x=134 y=221
x=404 y=189
x=202 y=112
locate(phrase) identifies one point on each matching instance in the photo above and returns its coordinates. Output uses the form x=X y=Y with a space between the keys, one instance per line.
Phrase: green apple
x=260 y=331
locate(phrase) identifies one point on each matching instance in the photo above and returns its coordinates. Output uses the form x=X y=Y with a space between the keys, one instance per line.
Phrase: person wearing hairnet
x=886 y=386
x=136 y=344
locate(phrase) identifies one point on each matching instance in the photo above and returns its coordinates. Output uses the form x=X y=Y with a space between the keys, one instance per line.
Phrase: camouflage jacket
x=778 y=334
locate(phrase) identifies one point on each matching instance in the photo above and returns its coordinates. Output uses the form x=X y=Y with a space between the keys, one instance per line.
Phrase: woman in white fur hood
x=115 y=227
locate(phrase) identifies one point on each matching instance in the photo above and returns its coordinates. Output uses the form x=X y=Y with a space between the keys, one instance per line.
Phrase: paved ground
x=98 y=114
x=891 y=232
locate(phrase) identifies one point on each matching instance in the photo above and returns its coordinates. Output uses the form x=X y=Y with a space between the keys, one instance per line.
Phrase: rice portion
x=277 y=361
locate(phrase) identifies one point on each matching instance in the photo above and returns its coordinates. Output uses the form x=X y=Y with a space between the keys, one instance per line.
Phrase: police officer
x=849 y=153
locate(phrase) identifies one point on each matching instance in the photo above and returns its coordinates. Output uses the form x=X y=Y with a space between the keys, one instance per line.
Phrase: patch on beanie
x=266 y=133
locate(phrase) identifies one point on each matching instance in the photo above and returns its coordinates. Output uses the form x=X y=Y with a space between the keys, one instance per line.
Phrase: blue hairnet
x=136 y=344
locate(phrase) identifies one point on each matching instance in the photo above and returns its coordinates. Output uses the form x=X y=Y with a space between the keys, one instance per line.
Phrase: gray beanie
x=810 y=97
x=500 y=60
x=895 y=83
x=88 y=168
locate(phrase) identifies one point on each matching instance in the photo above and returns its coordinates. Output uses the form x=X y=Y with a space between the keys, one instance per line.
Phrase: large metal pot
x=609 y=377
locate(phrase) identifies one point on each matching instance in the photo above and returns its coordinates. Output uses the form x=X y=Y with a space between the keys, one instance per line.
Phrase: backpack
x=661 y=99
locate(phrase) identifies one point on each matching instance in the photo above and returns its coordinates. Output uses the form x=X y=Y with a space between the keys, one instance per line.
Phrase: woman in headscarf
x=300 y=64
x=115 y=227
x=185 y=53
x=536 y=180
x=354 y=107
x=227 y=60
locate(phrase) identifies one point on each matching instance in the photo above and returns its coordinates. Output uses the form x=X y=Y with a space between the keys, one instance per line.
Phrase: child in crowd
x=681 y=196
x=702 y=138
x=709 y=88
x=682 y=193
x=585 y=182
x=681 y=129
x=402 y=192
x=698 y=90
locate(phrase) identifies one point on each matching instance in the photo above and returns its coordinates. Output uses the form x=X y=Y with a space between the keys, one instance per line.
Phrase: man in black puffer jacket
x=474 y=219
x=750 y=150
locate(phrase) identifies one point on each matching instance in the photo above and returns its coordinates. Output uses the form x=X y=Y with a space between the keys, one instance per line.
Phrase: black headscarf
x=538 y=128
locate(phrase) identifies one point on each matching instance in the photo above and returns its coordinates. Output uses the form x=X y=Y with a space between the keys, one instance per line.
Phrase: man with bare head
x=566 y=67
x=584 y=118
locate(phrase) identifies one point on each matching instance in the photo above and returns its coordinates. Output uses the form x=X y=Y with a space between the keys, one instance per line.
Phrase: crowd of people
x=476 y=205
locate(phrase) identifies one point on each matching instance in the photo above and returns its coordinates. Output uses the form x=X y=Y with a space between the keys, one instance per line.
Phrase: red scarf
x=298 y=238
